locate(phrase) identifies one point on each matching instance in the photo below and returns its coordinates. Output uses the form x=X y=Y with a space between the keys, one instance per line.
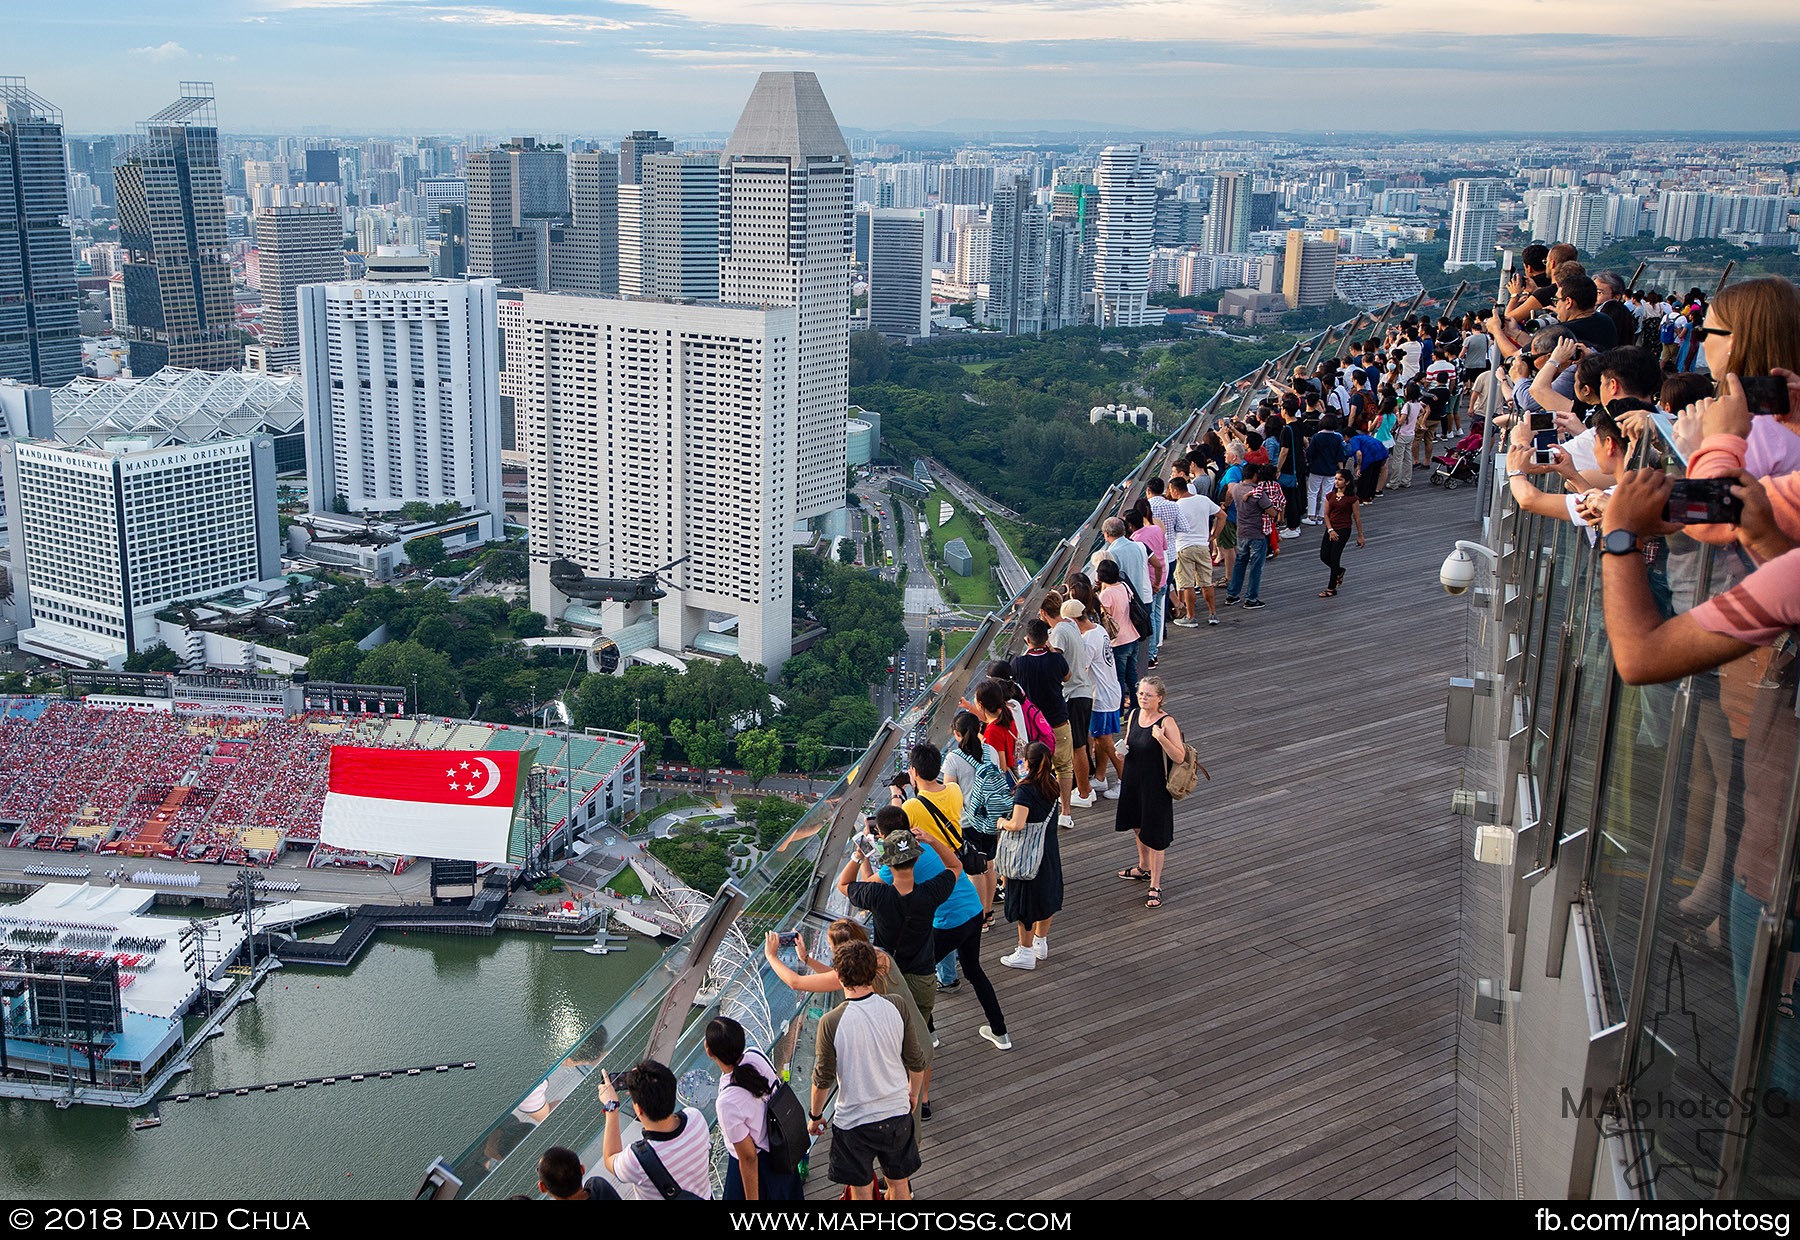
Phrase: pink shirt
x=1118 y=606
x=1761 y=607
x=1157 y=543
x=741 y=1113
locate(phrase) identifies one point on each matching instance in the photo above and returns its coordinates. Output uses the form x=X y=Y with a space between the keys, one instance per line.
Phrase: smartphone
x=1544 y=456
x=1703 y=501
x=1543 y=421
x=1766 y=394
x=787 y=938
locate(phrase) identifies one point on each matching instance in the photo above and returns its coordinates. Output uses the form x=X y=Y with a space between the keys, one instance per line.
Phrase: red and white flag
x=455 y=804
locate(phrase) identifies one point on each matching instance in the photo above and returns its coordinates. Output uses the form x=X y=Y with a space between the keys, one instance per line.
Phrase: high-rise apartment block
x=402 y=392
x=966 y=184
x=1126 y=180
x=172 y=221
x=297 y=245
x=40 y=330
x=1474 y=222
x=899 y=274
x=659 y=431
x=1310 y=273
x=1019 y=237
x=784 y=239
x=107 y=536
x=1228 y=218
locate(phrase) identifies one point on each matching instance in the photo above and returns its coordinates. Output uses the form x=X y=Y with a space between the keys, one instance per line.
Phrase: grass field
x=976 y=368
x=955 y=641
x=627 y=883
x=977 y=589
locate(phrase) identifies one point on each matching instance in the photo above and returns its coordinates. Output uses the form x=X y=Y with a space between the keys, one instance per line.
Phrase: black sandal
x=1135 y=874
x=1153 y=898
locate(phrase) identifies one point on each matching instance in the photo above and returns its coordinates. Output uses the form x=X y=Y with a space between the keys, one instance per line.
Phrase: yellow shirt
x=949 y=803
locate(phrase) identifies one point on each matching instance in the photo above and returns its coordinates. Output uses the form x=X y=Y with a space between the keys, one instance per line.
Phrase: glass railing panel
x=1732 y=766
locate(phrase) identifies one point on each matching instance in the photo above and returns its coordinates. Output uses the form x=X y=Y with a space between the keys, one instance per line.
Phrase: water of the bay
x=508 y=1003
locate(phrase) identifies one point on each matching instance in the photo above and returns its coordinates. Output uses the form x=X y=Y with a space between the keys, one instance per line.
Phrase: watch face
x=1621 y=542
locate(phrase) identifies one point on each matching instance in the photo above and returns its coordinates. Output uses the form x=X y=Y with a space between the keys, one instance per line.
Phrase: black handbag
x=974 y=861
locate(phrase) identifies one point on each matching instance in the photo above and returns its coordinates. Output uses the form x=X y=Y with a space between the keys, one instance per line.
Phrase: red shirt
x=1003 y=739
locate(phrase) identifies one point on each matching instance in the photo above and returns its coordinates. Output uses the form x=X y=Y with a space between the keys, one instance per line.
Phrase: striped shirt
x=685 y=1154
x=1761 y=607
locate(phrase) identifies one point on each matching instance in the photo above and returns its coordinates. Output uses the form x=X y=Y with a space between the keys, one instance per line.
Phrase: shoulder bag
x=1021 y=852
x=974 y=861
x=1181 y=778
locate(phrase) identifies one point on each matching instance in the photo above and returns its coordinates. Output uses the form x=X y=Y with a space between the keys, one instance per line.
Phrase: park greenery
x=700 y=855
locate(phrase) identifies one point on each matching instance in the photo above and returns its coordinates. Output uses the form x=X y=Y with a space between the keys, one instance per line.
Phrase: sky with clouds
x=685 y=66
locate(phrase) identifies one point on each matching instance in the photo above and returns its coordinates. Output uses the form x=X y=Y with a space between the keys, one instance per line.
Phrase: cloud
x=162 y=51
x=485 y=15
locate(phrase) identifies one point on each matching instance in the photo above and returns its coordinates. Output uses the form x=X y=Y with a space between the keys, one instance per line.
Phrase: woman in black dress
x=1153 y=742
x=1030 y=903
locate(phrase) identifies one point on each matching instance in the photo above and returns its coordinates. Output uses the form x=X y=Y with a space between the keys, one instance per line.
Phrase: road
x=1013 y=575
x=899 y=533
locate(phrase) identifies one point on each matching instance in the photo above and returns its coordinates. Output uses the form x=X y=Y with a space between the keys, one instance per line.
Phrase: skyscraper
x=784 y=239
x=322 y=167
x=654 y=431
x=402 y=393
x=450 y=253
x=584 y=252
x=1228 y=220
x=172 y=222
x=497 y=247
x=1126 y=180
x=40 y=331
x=1017 y=245
x=298 y=245
x=1474 y=221
x=633 y=150
x=899 y=274
x=1310 y=273
x=1064 y=280
x=679 y=214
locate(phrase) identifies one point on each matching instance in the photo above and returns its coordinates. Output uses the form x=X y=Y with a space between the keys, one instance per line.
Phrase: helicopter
x=572 y=580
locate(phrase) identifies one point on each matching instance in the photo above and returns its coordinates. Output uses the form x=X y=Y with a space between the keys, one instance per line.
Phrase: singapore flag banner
x=452 y=804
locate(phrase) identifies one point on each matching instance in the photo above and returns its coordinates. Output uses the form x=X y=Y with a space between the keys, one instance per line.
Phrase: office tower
x=584 y=254
x=784 y=239
x=402 y=392
x=540 y=180
x=633 y=151
x=298 y=245
x=40 y=326
x=1367 y=283
x=1017 y=243
x=1310 y=272
x=1228 y=219
x=450 y=258
x=498 y=247
x=1180 y=221
x=1126 y=179
x=971 y=184
x=859 y=244
x=172 y=220
x=1263 y=205
x=107 y=536
x=679 y=226
x=436 y=192
x=655 y=431
x=1474 y=221
x=322 y=167
x=899 y=274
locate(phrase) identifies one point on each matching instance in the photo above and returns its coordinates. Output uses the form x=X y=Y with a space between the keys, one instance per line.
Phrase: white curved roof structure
x=179 y=406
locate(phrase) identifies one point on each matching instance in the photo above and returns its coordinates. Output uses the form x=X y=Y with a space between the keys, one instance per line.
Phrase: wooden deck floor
x=1285 y=1025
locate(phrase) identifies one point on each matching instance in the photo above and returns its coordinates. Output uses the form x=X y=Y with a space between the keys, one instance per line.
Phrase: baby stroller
x=1461 y=462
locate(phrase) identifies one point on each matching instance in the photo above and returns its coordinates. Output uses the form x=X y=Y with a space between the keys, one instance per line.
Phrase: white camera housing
x=1457 y=576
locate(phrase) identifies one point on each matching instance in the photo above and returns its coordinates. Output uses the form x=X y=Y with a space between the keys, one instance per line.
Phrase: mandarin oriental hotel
x=104 y=537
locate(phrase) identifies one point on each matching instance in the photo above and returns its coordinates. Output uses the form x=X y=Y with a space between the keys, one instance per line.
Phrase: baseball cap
x=899 y=849
x=1073 y=609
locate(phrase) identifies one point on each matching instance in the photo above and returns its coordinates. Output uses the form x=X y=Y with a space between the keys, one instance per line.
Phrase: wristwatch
x=610 y=1107
x=1619 y=542
x=817 y=1119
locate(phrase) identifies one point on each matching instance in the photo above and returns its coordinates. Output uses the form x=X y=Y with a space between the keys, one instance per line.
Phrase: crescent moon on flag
x=493 y=778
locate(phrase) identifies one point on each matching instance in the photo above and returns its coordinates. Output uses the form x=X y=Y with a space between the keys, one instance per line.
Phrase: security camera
x=1457 y=576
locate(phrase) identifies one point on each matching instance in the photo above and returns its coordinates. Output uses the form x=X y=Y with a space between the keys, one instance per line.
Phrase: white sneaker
x=1040 y=946
x=1000 y=1040
x=1185 y=623
x=1081 y=802
x=1064 y=821
x=1111 y=793
x=934 y=1041
x=1020 y=958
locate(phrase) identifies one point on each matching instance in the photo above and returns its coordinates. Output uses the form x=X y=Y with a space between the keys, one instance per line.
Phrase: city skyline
x=1362 y=65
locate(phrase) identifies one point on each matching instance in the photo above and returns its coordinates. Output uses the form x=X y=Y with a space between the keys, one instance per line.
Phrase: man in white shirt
x=1200 y=519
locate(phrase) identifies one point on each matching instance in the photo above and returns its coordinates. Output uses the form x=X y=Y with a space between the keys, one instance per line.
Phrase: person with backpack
x=1041 y=672
x=673 y=1160
x=1152 y=743
x=975 y=768
x=1115 y=597
x=763 y=1124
